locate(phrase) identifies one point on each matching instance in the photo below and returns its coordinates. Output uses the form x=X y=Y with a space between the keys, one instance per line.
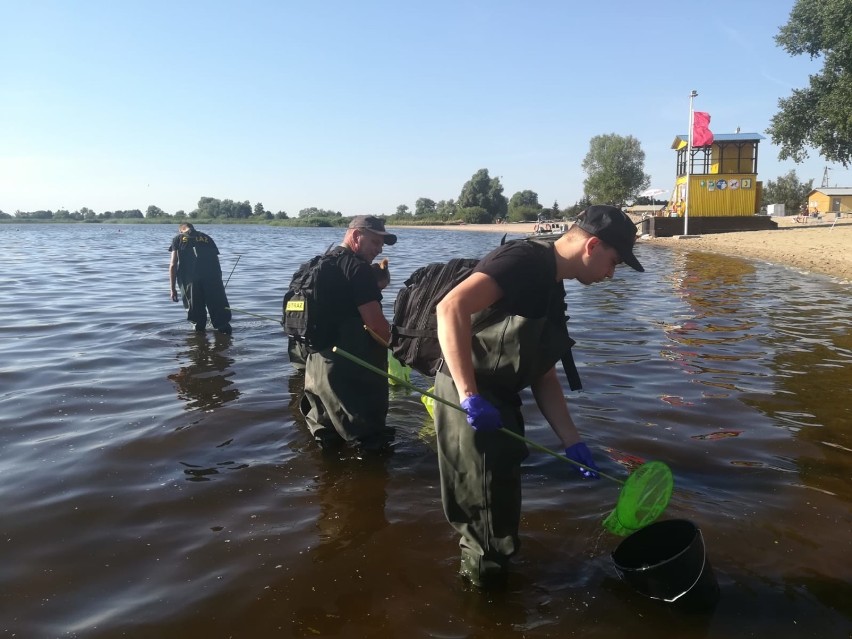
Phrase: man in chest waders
x=341 y=403
x=480 y=466
x=195 y=267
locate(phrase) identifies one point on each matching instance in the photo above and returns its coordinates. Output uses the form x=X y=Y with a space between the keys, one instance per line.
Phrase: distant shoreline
x=521 y=228
x=815 y=247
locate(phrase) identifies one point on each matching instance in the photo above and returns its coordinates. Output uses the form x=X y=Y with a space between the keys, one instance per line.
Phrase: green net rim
x=648 y=490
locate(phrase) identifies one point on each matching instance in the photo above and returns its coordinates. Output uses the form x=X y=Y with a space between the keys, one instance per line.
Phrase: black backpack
x=300 y=317
x=414 y=331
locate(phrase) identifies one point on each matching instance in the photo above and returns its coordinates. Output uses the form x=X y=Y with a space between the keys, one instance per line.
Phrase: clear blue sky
x=360 y=106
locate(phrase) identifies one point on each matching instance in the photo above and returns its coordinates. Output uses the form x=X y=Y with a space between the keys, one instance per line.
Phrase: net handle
x=441 y=400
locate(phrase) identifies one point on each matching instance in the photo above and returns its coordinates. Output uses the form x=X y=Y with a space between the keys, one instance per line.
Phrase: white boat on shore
x=549 y=230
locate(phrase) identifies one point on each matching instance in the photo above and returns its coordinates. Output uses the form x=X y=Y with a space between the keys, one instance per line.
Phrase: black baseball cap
x=613 y=226
x=374 y=224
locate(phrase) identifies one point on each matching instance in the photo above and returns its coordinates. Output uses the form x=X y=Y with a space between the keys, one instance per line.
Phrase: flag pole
x=692 y=96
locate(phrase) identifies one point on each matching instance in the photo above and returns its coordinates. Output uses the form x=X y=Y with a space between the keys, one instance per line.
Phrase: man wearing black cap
x=341 y=403
x=521 y=283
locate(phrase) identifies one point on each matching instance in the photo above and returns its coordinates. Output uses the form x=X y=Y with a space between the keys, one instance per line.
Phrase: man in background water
x=195 y=266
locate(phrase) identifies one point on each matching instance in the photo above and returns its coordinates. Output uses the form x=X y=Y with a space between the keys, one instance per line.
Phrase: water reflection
x=352 y=495
x=789 y=363
x=343 y=588
x=203 y=381
x=296 y=386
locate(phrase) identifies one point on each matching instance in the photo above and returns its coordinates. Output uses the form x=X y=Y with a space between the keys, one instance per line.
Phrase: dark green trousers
x=481 y=482
x=203 y=295
x=343 y=401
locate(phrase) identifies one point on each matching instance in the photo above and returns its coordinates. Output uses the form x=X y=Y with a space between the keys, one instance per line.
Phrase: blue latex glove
x=579 y=452
x=481 y=414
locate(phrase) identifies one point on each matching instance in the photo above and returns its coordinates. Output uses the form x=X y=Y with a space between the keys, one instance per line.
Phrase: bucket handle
x=700 y=572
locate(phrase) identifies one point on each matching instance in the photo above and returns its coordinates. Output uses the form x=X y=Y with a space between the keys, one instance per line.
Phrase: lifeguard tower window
x=720 y=158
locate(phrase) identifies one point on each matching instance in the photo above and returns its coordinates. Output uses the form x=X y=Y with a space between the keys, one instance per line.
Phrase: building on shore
x=716 y=188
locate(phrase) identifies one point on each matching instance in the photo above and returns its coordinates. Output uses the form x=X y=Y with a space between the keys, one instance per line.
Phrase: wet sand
x=815 y=247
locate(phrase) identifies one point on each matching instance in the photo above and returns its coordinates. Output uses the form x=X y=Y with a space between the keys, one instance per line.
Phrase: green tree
x=155 y=211
x=484 y=192
x=281 y=215
x=818 y=116
x=446 y=209
x=259 y=211
x=578 y=207
x=402 y=211
x=524 y=206
x=554 y=210
x=315 y=212
x=240 y=210
x=128 y=215
x=210 y=207
x=787 y=190
x=615 y=166
x=474 y=215
x=424 y=207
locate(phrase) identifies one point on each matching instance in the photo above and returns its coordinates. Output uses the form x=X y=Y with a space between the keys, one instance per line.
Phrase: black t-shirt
x=526 y=273
x=197 y=254
x=343 y=289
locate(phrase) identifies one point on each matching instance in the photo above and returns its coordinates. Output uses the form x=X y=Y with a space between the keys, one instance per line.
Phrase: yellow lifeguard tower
x=724 y=194
x=722 y=176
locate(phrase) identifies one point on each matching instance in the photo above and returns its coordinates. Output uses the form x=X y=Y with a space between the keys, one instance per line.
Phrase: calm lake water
x=158 y=483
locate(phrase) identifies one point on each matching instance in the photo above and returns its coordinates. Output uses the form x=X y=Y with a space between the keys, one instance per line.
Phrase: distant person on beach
x=195 y=267
x=342 y=403
x=480 y=467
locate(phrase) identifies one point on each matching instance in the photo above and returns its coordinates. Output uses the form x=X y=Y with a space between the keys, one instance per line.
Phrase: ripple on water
x=162 y=483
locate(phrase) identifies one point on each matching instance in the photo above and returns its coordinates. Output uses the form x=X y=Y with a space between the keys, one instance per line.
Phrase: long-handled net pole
x=441 y=400
x=232 y=270
x=266 y=317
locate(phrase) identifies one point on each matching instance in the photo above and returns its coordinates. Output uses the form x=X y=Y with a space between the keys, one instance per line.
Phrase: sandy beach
x=815 y=247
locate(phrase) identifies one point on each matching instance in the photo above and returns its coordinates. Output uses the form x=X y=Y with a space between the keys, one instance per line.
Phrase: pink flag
x=701 y=134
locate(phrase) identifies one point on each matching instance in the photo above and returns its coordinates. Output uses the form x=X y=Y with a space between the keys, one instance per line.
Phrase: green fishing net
x=398 y=370
x=642 y=499
x=429 y=403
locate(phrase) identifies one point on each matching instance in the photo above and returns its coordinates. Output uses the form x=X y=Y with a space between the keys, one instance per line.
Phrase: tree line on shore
x=614 y=166
x=481 y=201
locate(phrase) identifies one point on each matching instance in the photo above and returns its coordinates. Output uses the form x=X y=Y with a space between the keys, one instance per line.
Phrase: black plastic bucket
x=667 y=560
